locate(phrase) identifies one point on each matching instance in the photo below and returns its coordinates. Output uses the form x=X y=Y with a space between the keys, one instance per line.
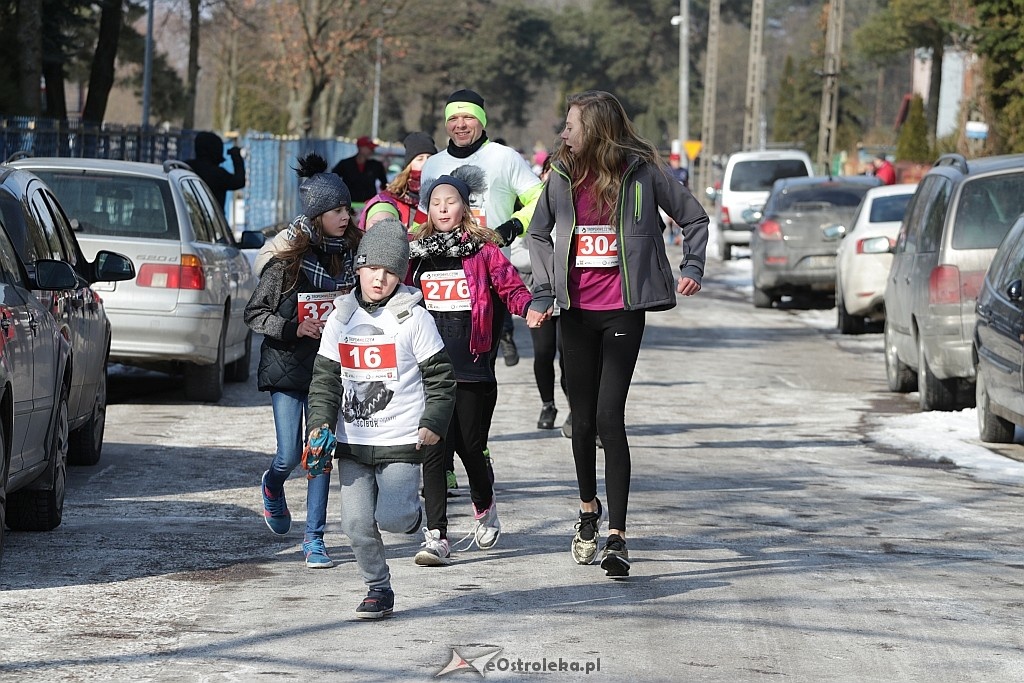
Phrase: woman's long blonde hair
x=399 y=186
x=607 y=140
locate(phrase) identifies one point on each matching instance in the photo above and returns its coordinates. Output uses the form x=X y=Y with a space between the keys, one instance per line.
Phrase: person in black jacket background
x=209 y=149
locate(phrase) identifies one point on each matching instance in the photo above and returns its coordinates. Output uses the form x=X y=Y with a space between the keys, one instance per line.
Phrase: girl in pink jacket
x=460 y=269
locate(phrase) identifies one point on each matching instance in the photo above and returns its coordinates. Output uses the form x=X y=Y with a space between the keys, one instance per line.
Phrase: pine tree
x=912 y=143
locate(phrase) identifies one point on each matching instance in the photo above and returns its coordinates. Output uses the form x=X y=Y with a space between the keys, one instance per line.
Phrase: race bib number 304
x=596 y=246
x=368 y=359
x=445 y=290
x=316 y=305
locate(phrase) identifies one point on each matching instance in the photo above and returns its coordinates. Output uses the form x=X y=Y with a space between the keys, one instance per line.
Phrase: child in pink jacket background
x=460 y=269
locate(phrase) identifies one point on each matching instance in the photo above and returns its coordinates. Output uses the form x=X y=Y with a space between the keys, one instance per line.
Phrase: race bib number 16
x=596 y=246
x=368 y=359
x=316 y=305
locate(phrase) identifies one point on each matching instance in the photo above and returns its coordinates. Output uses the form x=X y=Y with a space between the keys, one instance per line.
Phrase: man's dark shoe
x=548 y=413
x=509 y=350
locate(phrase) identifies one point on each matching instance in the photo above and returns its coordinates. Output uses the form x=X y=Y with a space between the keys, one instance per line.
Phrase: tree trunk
x=192 y=76
x=56 y=103
x=934 y=84
x=30 y=44
x=101 y=76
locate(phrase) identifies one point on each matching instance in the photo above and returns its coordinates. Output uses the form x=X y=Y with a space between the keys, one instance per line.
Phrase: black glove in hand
x=509 y=230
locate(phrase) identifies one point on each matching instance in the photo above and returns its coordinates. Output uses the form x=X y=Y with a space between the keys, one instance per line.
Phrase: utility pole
x=828 y=121
x=707 y=126
x=755 y=76
x=684 y=72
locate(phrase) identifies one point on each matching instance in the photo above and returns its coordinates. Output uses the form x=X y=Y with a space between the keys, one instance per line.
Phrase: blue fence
x=271 y=194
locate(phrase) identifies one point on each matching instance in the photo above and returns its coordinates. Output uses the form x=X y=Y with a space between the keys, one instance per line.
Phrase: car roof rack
x=176 y=164
x=953 y=159
x=20 y=154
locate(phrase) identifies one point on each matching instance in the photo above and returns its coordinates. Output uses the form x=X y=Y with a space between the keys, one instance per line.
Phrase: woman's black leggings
x=600 y=350
x=465 y=438
x=547 y=344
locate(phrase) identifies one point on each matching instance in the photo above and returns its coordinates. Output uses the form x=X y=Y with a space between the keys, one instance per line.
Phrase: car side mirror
x=834 y=232
x=111 y=267
x=1015 y=291
x=49 y=274
x=251 y=239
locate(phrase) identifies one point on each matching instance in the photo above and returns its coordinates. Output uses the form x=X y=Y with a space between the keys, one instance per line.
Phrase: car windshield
x=760 y=175
x=889 y=209
x=817 y=197
x=988 y=207
x=114 y=205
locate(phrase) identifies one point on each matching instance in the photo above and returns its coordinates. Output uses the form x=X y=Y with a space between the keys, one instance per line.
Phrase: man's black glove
x=509 y=230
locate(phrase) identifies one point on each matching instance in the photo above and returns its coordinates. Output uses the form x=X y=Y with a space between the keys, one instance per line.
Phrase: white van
x=748 y=178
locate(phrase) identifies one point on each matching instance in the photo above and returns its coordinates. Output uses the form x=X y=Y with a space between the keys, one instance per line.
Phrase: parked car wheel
x=847 y=324
x=898 y=374
x=724 y=250
x=41 y=509
x=238 y=371
x=991 y=427
x=762 y=299
x=3 y=489
x=206 y=382
x=87 y=441
x=934 y=393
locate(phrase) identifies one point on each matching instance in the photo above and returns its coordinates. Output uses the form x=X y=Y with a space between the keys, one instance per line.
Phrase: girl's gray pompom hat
x=468 y=180
x=320 y=191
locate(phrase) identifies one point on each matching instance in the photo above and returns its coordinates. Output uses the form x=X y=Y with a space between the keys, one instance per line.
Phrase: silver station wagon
x=183 y=311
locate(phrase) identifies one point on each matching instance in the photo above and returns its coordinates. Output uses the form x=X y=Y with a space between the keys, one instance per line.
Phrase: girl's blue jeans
x=290 y=409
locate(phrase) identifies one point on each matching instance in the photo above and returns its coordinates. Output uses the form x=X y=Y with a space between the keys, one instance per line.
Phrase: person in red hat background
x=361 y=172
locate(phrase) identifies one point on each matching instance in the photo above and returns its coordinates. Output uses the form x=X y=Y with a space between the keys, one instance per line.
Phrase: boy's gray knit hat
x=320 y=191
x=386 y=244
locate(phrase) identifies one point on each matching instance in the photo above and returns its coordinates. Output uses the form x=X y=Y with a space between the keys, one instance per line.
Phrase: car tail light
x=944 y=285
x=186 y=275
x=972 y=283
x=725 y=220
x=769 y=230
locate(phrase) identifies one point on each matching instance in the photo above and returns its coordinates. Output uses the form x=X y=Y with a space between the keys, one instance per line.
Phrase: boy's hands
x=318 y=452
x=425 y=437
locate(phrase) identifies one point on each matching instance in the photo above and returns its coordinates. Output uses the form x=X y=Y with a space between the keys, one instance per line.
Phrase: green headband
x=474 y=110
x=382 y=207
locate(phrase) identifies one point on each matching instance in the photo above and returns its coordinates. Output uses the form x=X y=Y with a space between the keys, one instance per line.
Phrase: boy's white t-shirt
x=383 y=397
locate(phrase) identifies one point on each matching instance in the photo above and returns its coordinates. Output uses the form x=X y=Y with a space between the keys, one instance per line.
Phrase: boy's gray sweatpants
x=375 y=497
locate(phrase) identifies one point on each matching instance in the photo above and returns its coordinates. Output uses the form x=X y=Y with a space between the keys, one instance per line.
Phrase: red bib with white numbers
x=596 y=246
x=316 y=305
x=445 y=290
x=368 y=358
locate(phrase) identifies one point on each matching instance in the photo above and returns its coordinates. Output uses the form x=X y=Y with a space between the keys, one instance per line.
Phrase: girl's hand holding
x=536 y=318
x=310 y=327
x=687 y=286
x=425 y=437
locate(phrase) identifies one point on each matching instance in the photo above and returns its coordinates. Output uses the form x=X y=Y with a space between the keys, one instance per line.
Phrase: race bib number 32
x=316 y=305
x=445 y=290
x=596 y=246
x=368 y=359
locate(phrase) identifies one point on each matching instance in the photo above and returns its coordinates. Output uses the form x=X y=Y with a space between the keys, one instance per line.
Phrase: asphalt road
x=770 y=538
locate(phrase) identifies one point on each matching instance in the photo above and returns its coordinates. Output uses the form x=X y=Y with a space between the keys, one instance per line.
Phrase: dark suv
x=999 y=341
x=957 y=217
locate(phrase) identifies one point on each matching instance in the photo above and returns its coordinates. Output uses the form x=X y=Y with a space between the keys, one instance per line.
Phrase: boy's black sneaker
x=377 y=604
x=615 y=557
x=584 y=542
x=548 y=413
